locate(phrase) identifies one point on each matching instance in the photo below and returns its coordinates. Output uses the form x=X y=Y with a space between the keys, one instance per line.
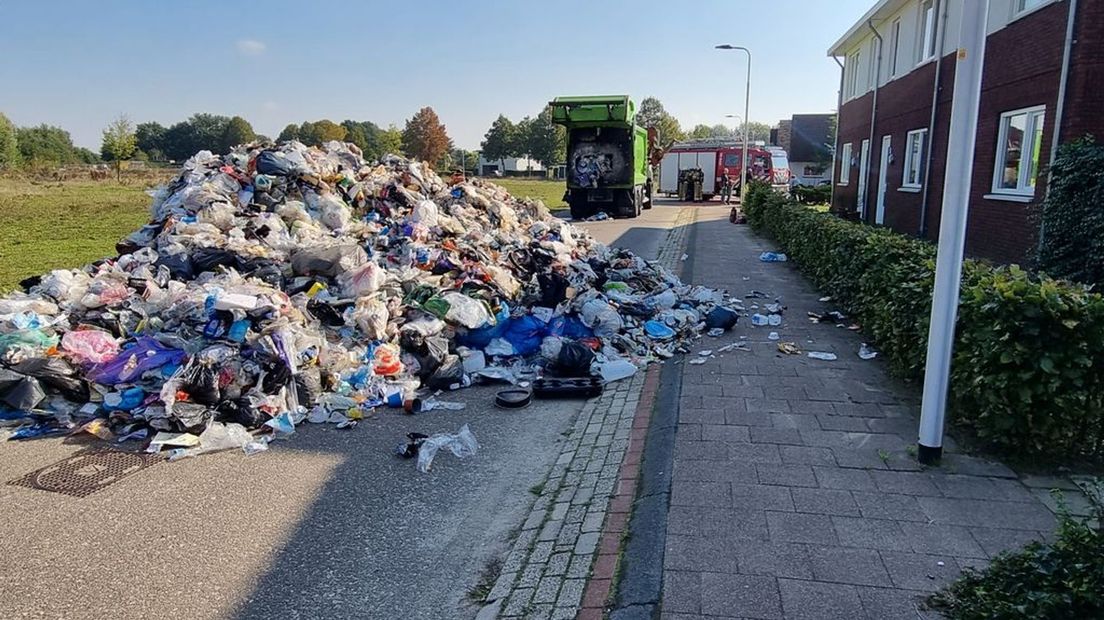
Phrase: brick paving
x=795 y=491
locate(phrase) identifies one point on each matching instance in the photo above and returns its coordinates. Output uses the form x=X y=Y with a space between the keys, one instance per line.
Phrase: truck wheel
x=580 y=210
x=626 y=204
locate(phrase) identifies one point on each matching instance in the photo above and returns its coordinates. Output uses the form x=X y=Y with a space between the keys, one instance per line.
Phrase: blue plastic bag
x=525 y=334
x=146 y=354
x=480 y=337
x=772 y=257
x=569 y=327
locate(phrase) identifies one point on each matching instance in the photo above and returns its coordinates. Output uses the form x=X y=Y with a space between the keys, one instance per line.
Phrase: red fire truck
x=714 y=157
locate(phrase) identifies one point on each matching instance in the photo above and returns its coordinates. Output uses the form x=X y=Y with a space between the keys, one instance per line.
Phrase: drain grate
x=83 y=474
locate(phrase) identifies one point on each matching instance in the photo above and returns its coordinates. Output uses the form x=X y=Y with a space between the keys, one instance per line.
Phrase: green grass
x=46 y=226
x=550 y=192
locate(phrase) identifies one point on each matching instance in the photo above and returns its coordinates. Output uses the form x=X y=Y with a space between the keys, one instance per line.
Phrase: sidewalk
x=795 y=493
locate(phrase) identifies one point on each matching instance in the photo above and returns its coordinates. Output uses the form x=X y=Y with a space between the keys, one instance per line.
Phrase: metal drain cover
x=83 y=474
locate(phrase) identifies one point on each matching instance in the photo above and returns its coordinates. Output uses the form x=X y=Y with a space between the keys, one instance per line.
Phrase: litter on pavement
x=867 y=352
x=822 y=355
x=280 y=284
x=773 y=257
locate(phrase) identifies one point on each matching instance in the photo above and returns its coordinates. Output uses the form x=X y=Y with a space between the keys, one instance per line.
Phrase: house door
x=883 y=179
x=864 y=168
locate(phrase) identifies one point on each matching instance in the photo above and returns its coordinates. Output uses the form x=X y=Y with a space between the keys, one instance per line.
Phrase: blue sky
x=80 y=64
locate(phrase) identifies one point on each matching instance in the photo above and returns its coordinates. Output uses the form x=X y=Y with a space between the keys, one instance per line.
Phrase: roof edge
x=835 y=49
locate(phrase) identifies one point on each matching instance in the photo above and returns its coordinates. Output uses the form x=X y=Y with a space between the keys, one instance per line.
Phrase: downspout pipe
x=835 y=138
x=873 y=117
x=942 y=34
x=1060 y=106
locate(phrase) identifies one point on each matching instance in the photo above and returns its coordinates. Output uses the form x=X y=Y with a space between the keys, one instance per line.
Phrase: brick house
x=1044 y=60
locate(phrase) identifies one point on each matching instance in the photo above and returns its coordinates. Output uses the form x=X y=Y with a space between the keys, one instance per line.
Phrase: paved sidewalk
x=795 y=493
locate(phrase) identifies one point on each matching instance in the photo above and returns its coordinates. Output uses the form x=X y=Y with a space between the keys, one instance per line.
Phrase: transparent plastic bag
x=462 y=445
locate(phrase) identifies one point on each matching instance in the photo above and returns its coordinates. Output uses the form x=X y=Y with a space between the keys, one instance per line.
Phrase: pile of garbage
x=277 y=284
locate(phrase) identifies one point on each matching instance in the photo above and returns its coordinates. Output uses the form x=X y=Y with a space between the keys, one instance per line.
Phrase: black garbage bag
x=276 y=375
x=553 y=288
x=180 y=265
x=431 y=354
x=271 y=162
x=23 y=394
x=448 y=374
x=327 y=314
x=210 y=259
x=328 y=262
x=191 y=415
x=721 y=317
x=201 y=382
x=308 y=384
x=56 y=373
x=574 y=360
x=241 y=411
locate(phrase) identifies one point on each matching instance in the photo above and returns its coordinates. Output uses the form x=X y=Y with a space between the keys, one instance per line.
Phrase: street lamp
x=747 y=104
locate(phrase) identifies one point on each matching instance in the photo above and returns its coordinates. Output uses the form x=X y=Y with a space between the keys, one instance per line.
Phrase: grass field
x=46 y=226
x=551 y=192
x=49 y=226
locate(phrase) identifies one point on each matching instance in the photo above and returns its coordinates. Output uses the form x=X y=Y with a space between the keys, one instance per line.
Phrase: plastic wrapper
x=90 y=346
x=461 y=444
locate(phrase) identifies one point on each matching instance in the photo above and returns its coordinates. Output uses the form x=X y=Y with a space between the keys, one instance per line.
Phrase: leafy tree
x=291 y=132
x=424 y=136
x=150 y=138
x=320 y=132
x=391 y=142
x=500 y=141
x=701 y=132
x=46 y=144
x=119 y=143
x=541 y=140
x=201 y=131
x=366 y=135
x=9 y=145
x=85 y=156
x=756 y=131
x=652 y=114
x=722 y=131
x=238 y=131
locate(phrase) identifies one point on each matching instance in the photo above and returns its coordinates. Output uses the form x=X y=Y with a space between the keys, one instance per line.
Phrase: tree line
x=423 y=136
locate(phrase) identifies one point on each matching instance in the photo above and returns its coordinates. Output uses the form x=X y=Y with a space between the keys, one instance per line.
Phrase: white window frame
x=845 y=164
x=894 y=47
x=1025 y=186
x=925 y=39
x=851 y=88
x=1023 y=7
x=922 y=136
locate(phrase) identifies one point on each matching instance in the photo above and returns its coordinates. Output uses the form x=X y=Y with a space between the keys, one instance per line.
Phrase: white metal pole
x=952 y=227
x=747 y=105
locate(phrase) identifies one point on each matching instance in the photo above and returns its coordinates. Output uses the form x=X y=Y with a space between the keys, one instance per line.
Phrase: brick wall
x=1022 y=69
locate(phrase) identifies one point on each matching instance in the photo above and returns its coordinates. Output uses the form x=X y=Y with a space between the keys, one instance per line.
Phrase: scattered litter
x=684 y=257
x=774 y=320
x=705 y=353
x=616 y=370
x=514 y=398
x=737 y=346
x=867 y=352
x=773 y=336
x=830 y=316
x=698 y=361
x=789 y=348
x=759 y=320
x=854 y=327
x=773 y=257
x=598 y=217
x=822 y=355
x=757 y=295
x=940 y=563
x=716 y=332
x=462 y=445
x=825 y=299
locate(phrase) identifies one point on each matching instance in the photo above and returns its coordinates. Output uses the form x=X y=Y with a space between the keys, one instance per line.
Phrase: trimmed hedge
x=1027 y=377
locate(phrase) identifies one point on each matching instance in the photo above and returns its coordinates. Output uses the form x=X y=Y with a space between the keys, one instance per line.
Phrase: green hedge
x=1028 y=371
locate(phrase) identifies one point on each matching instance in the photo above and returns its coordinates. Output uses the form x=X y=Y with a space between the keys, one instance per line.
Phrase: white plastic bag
x=462 y=445
x=425 y=212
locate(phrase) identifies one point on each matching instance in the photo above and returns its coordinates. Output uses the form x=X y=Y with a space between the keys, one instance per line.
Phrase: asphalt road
x=327 y=524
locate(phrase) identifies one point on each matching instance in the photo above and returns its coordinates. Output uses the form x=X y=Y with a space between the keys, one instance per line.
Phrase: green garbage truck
x=607 y=156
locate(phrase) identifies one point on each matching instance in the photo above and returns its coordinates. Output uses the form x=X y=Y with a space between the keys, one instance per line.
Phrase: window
x=927 y=30
x=872 y=67
x=852 y=87
x=1023 y=6
x=845 y=164
x=894 y=46
x=914 y=158
x=1019 y=142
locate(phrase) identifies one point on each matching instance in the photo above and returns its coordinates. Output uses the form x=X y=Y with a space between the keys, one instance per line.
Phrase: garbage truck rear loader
x=607 y=156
